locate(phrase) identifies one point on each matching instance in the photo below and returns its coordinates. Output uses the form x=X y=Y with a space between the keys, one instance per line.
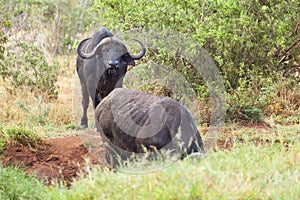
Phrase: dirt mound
x=57 y=159
x=62 y=159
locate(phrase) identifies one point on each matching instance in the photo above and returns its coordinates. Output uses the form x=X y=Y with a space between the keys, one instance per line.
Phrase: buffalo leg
x=85 y=105
x=93 y=94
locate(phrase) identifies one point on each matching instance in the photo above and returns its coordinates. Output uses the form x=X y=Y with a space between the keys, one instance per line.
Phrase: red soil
x=57 y=159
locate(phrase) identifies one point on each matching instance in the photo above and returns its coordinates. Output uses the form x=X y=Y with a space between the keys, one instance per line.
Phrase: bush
x=3 y=37
x=53 y=25
x=254 y=43
x=18 y=136
x=240 y=35
x=27 y=67
x=2 y=138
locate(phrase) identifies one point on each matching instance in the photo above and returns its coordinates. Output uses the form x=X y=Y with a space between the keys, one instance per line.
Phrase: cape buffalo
x=99 y=56
x=131 y=121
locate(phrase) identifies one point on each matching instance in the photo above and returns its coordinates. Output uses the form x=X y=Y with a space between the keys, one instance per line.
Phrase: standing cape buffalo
x=131 y=121
x=101 y=65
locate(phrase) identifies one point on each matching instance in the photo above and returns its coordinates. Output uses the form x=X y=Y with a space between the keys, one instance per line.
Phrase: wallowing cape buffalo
x=131 y=121
x=101 y=66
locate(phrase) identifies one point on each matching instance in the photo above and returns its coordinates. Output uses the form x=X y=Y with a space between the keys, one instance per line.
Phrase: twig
x=296 y=28
x=202 y=12
x=288 y=49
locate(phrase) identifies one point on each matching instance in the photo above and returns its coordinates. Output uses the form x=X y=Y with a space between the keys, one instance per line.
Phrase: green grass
x=248 y=171
x=15 y=184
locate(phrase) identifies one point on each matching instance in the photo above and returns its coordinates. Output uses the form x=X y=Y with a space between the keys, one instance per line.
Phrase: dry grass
x=286 y=102
x=26 y=107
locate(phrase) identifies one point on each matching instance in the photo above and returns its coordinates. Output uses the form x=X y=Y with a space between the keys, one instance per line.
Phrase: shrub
x=52 y=25
x=254 y=43
x=22 y=135
x=27 y=67
x=18 y=135
x=3 y=37
x=2 y=138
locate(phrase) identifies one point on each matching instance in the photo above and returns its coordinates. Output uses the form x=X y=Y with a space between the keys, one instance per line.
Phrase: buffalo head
x=112 y=52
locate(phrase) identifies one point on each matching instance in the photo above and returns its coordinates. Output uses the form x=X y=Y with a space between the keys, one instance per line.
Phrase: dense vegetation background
x=255 y=45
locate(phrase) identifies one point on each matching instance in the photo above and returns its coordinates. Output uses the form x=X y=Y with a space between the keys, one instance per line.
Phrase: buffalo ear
x=128 y=60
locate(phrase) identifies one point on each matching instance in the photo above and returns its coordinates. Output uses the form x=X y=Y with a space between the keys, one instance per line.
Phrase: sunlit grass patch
x=250 y=171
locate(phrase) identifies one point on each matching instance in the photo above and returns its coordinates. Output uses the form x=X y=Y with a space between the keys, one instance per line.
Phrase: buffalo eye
x=127 y=59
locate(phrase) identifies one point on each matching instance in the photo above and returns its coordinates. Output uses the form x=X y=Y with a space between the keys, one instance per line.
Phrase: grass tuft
x=18 y=135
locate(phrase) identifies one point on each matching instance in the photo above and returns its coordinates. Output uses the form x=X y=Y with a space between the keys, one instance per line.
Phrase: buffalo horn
x=142 y=53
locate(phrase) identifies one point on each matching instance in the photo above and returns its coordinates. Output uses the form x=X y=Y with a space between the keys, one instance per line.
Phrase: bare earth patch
x=61 y=159
x=56 y=159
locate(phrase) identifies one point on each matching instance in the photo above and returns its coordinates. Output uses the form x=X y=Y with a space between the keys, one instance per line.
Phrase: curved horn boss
x=91 y=44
